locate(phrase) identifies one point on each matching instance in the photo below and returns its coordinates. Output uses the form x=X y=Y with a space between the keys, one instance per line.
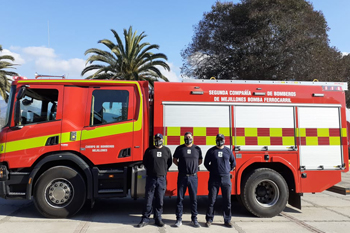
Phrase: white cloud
x=18 y=58
x=43 y=60
x=173 y=74
x=40 y=52
x=71 y=68
x=196 y=58
x=345 y=54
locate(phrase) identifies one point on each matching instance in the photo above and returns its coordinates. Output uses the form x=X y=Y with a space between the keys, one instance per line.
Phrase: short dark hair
x=188 y=133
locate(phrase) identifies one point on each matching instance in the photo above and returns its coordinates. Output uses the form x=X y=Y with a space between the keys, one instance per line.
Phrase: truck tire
x=59 y=192
x=265 y=193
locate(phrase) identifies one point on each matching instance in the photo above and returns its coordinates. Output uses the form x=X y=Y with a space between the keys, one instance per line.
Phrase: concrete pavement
x=321 y=212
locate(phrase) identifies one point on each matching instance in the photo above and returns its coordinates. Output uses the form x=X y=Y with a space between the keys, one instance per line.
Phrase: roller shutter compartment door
x=264 y=128
x=319 y=134
x=204 y=121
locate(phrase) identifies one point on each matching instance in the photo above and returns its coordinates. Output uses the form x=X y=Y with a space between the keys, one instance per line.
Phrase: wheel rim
x=59 y=193
x=267 y=193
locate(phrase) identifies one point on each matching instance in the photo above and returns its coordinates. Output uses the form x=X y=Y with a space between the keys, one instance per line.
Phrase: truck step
x=103 y=191
x=340 y=189
x=16 y=194
x=111 y=171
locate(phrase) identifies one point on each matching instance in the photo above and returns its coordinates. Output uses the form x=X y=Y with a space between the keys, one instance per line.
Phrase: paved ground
x=322 y=212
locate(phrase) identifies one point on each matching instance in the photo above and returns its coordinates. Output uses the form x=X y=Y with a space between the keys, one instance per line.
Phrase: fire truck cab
x=68 y=141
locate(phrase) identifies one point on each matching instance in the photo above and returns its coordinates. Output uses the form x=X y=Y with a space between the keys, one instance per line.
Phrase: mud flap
x=295 y=200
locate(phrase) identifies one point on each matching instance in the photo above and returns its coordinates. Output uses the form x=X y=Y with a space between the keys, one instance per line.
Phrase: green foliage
x=130 y=61
x=260 y=39
x=5 y=82
x=264 y=40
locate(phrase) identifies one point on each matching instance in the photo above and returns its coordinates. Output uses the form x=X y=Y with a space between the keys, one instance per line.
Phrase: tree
x=344 y=75
x=4 y=80
x=262 y=39
x=132 y=61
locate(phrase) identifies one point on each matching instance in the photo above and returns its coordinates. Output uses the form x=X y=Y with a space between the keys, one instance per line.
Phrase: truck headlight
x=3 y=172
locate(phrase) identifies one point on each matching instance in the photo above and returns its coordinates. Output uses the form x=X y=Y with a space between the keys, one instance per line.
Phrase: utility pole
x=48 y=33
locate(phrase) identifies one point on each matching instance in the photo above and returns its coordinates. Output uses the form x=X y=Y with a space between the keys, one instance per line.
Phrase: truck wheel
x=59 y=192
x=265 y=193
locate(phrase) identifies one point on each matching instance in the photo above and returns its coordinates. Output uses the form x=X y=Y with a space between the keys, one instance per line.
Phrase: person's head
x=158 y=140
x=188 y=138
x=220 y=140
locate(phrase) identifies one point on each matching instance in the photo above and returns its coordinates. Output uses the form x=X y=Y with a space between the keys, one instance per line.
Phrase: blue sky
x=50 y=37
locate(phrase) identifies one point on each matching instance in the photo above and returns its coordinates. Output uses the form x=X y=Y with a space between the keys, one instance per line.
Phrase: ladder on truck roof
x=343 y=85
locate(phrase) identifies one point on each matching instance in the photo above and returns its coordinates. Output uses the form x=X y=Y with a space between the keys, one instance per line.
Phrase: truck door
x=108 y=136
x=39 y=129
x=319 y=134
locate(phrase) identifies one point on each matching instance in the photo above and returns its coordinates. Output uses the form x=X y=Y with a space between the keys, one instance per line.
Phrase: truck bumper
x=13 y=185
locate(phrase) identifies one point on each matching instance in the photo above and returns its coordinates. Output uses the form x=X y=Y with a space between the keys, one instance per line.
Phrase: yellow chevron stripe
x=26 y=144
x=65 y=137
x=107 y=131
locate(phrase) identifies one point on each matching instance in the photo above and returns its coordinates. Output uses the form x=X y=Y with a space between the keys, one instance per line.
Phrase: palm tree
x=4 y=81
x=132 y=61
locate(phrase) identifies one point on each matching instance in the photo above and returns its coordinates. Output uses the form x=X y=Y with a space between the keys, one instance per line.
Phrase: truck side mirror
x=21 y=92
x=17 y=114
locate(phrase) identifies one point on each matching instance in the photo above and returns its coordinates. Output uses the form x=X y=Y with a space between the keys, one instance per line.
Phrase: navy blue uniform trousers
x=155 y=188
x=184 y=182
x=214 y=183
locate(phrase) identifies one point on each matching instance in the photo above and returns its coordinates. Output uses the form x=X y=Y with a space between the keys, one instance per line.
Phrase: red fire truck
x=69 y=141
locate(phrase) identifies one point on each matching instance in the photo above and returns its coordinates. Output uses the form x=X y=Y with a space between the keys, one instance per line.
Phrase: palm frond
x=131 y=60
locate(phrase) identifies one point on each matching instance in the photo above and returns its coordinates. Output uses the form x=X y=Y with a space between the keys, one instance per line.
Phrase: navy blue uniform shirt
x=157 y=160
x=219 y=161
x=188 y=158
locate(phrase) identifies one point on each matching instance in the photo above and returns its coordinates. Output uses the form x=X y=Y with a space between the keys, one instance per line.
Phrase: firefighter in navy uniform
x=187 y=157
x=157 y=160
x=219 y=161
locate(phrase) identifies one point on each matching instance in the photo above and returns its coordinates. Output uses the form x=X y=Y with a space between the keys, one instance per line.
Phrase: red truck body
x=292 y=133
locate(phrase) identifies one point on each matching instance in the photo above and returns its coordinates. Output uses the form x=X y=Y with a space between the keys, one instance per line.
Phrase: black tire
x=265 y=193
x=60 y=192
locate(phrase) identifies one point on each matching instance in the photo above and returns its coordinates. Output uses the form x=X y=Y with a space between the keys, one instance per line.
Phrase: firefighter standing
x=187 y=157
x=157 y=160
x=219 y=161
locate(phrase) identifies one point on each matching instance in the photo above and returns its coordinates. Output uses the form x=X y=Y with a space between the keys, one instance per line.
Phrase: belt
x=183 y=174
x=156 y=176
